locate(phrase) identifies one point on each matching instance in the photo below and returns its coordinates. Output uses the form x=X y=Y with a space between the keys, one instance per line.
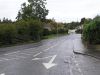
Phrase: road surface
x=48 y=57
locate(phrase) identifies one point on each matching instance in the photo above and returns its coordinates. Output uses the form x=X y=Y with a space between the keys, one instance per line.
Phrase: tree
x=35 y=9
x=6 y=20
x=82 y=21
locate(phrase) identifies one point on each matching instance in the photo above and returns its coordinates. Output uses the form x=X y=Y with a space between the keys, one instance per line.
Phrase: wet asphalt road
x=29 y=59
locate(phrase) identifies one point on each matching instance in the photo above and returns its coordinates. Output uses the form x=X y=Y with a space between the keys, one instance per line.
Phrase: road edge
x=86 y=54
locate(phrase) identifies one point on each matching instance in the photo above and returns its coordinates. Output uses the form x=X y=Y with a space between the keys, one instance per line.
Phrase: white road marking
x=29 y=52
x=2 y=59
x=16 y=56
x=12 y=53
x=77 y=65
x=70 y=67
x=42 y=58
x=6 y=59
x=50 y=63
x=25 y=53
x=49 y=48
x=37 y=54
x=2 y=74
x=29 y=49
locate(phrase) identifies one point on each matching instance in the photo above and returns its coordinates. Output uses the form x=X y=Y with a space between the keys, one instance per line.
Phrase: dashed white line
x=29 y=52
x=25 y=53
x=49 y=48
x=12 y=53
x=29 y=49
x=4 y=59
x=41 y=58
x=44 y=50
x=16 y=56
x=37 y=54
x=7 y=59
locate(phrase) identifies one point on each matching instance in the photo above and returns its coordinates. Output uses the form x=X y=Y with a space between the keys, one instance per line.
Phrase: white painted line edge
x=26 y=53
x=12 y=53
x=37 y=54
x=50 y=63
x=2 y=74
x=42 y=58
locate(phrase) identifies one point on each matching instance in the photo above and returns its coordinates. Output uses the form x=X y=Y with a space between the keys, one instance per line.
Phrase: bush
x=8 y=33
x=35 y=29
x=79 y=31
x=46 y=32
x=23 y=31
x=20 y=31
x=91 y=32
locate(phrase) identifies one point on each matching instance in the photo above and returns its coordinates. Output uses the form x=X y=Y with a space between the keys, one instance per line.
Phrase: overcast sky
x=61 y=10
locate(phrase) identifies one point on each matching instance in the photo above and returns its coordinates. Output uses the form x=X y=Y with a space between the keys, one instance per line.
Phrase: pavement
x=49 y=57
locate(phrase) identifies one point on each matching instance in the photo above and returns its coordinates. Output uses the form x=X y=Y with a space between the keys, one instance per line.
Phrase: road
x=48 y=57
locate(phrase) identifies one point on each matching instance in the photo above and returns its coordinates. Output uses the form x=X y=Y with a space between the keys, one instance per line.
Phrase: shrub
x=46 y=32
x=79 y=31
x=35 y=29
x=91 y=32
x=23 y=31
x=8 y=33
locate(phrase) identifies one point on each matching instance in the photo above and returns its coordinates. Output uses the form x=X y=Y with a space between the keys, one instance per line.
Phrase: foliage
x=72 y=25
x=7 y=33
x=22 y=28
x=46 y=32
x=20 y=31
x=91 y=31
x=83 y=21
x=30 y=24
x=79 y=31
x=36 y=29
x=35 y=9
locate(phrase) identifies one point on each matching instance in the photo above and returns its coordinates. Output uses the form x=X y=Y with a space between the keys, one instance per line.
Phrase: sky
x=60 y=10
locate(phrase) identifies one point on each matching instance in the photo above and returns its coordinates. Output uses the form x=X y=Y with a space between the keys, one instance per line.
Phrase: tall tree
x=82 y=21
x=34 y=9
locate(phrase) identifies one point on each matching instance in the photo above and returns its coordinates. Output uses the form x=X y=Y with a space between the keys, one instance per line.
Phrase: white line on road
x=2 y=74
x=28 y=49
x=41 y=58
x=70 y=67
x=29 y=52
x=12 y=53
x=37 y=54
x=44 y=50
x=50 y=63
x=18 y=51
x=25 y=53
x=16 y=56
x=50 y=48
x=7 y=59
x=77 y=65
x=2 y=59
